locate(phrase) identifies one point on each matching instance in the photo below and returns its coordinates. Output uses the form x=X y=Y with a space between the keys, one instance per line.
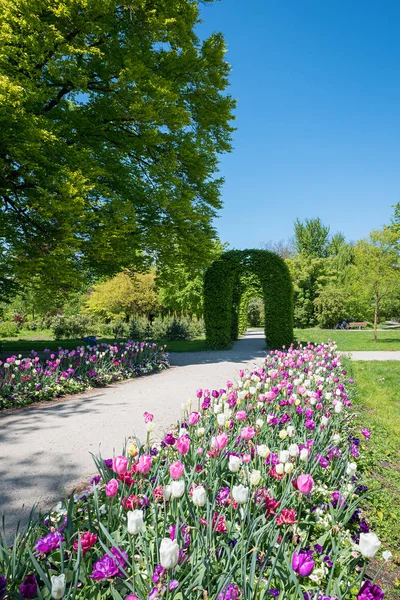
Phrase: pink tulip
x=176 y=470
x=246 y=458
x=200 y=450
x=131 y=597
x=144 y=464
x=183 y=444
x=148 y=417
x=305 y=483
x=199 y=393
x=112 y=488
x=120 y=464
x=194 y=418
x=247 y=433
x=220 y=441
x=241 y=415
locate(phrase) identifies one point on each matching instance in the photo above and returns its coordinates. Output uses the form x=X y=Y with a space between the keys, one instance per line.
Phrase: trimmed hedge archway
x=229 y=284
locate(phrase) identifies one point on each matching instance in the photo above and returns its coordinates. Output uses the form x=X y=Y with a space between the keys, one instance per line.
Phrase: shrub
x=119 y=328
x=160 y=326
x=8 y=329
x=180 y=329
x=74 y=327
x=269 y=508
x=139 y=328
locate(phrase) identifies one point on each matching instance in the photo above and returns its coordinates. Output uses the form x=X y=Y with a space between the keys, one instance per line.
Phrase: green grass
x=378 y=405
x=352 y=340
x=42 y=341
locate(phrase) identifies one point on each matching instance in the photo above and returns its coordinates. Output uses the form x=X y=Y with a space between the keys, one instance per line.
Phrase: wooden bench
x=357 y=325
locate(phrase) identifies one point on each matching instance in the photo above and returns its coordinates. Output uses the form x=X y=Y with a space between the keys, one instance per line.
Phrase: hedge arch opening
x=231 y=281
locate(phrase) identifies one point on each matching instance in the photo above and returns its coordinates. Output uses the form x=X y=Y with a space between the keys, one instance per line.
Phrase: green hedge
x=229 y=284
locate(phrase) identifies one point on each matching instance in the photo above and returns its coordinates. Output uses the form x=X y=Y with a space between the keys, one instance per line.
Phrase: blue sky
x=318 y=116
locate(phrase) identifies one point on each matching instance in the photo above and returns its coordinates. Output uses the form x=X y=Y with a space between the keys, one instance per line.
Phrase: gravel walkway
x=45 y=449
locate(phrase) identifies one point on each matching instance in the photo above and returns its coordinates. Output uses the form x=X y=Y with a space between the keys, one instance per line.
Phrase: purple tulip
x=28 y=588
x=49 y=542
x=3 y=585
x=302 y=563
x=369 y=591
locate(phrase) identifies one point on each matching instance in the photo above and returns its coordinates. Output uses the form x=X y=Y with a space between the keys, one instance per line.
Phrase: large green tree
x=311 y=238
x=112 y=117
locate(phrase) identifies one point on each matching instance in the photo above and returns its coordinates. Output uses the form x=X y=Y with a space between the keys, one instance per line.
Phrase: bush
x=74 y=327
x=8 y=329
x=119 y=329
x=180 y=329
x=272 y=505
x=160 y=326
x=139 y=328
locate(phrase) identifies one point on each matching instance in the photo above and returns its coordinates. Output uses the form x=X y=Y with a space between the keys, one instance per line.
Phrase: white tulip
x=294 y=450
x=240 y=494
x=288 y=467
x=263 y=451
x=260 y=423
x=338 y=407
x=57 y=586
x=169 y=553
x=284 y=456
x=369 y=544
x=217 y=409
x=387 y=555
x=336 y=437
x=255 y=477
x=280 y=468
x=200 y=431
x=304 y=454
x=283 y=434
x=182 y=432
x=221 y=419
x=234 y=464
x=324 y=421
x=135 y=521
x=351 y=469
x=291 y=430
x=199 y=496
x=166 y=492
x=177 y=488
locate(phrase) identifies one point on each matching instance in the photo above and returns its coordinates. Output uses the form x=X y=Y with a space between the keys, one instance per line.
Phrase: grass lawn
x=44 y=340
x=352 y=340
x=378 y=403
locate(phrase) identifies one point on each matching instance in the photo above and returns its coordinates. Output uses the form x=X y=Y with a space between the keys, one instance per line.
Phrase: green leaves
x=112 y=120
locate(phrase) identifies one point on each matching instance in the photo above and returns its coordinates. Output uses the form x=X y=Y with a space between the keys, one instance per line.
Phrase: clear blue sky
x=318 y=117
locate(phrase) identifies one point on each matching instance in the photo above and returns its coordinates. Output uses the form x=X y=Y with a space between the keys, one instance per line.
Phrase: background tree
x=283 y=248
x=311 y=237
x=376 y=269
x=124 y=296
x=113 y=115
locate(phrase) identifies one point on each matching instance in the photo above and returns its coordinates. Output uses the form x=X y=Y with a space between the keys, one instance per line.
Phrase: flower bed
x=254 y=495
x=27 y=380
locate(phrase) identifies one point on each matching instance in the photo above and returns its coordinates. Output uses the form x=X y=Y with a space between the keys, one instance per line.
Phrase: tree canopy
x=112 y=118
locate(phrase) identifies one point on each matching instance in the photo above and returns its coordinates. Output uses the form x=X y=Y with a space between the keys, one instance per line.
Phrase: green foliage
x=311 y=238
x=255 y=312
x=120 y=329
x=139 y=328
x=309 y=275
x=113 y=117
x=224 y=285
x=331 y=306
x=8 y=329
x=73 y=327
x=123 y=296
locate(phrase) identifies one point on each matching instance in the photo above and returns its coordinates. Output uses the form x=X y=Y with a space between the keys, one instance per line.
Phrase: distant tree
x=336 y=244
x=376 y=269
x=311 y=238
x=331 y=306
x=284 y=248
x=123 y=296
x=113 y=117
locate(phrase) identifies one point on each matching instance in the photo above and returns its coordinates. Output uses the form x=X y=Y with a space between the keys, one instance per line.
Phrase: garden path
x=46 y=448
x=374 y=355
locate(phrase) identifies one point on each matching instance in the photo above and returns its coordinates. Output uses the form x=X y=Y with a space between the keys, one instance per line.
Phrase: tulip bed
x=254 y=494
x=27 y=380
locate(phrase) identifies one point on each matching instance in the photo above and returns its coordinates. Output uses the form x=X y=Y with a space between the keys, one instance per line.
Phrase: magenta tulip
x=112 y=488
x=144 y=464
x=176 y=470
x=183 y=444
x=120 y=464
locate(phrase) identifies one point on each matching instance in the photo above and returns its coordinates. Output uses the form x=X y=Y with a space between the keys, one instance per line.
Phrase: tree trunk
x=376 y=312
